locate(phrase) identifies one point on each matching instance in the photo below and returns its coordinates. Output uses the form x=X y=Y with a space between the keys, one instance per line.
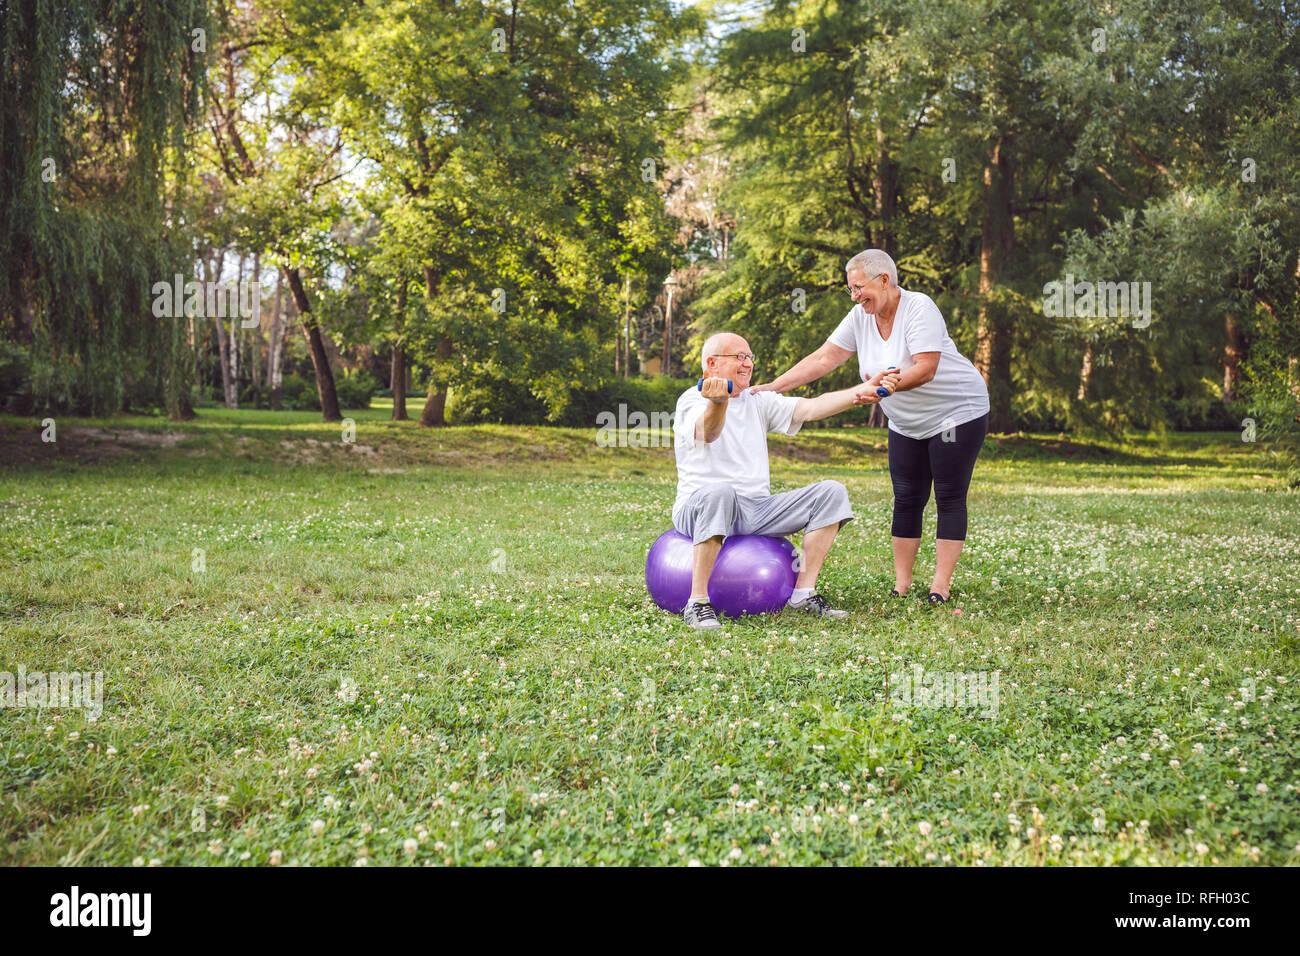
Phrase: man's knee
x=712 y=502
x=834 y=492
x=718 y=493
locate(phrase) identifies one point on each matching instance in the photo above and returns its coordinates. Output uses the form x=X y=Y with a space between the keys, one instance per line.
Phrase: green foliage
x=355 y=388
x=502 y=402
x=1151 y=153
x=16 y=396
x=94 y=101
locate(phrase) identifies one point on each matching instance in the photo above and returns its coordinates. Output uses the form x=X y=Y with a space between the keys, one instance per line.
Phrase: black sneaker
x=937 y=598
x=702 y=616
x=816 y=604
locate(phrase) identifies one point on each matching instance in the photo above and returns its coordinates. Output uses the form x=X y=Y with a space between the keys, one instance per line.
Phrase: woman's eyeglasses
x=854 y=289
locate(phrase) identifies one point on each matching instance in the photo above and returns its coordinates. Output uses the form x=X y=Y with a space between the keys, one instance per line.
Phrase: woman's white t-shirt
x=957 y=393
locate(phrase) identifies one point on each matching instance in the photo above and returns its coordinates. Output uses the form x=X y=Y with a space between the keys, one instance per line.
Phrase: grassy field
x=436 y=647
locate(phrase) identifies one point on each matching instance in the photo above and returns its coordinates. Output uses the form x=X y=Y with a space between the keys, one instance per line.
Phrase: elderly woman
x=938 y=407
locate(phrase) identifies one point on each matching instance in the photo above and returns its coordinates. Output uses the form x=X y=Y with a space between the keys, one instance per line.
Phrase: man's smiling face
x=733 y=360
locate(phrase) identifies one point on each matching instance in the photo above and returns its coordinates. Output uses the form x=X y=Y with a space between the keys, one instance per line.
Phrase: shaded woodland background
x=530 y=211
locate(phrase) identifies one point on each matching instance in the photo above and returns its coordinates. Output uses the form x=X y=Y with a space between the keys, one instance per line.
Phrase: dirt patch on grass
x=82 y=443
x=128 y=436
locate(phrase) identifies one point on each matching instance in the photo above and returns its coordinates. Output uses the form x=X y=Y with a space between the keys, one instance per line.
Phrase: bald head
x=721 y=343
x=718 y=358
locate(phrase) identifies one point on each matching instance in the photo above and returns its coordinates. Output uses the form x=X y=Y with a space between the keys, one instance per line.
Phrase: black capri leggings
x=914 y=463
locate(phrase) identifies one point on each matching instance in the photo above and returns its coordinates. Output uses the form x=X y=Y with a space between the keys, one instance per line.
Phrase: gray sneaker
x=816 y=604
x=702 y=616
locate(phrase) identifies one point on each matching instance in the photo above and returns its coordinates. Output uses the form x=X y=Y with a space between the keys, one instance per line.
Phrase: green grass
x=443 y=636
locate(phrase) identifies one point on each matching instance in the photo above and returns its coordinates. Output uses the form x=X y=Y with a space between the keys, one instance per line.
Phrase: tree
x=510 y=146
x=95 y=102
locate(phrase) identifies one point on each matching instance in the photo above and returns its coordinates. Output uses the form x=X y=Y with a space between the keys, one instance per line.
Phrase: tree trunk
x=668 y=337
x=236 y=334
x=620 y=337
x=885 y=185
x=435 y=405
x=273 y=352
x=398 y=376
x=223 y=349
x=1233 y=354
x=997 y=238
x=255 y=338
x=329 y=400
x=1085 y=373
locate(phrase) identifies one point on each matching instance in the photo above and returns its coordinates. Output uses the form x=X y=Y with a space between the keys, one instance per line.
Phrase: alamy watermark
x=634 y=429
x=213 y=300
x=1069 y=299
x=83 y=691
x=964 y=690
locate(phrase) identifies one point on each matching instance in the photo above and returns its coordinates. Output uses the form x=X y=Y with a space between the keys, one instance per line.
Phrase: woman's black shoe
x=936 y=598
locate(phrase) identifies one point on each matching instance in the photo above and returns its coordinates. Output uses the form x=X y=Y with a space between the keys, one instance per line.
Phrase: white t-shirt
x=739 y=455
x=957 y=393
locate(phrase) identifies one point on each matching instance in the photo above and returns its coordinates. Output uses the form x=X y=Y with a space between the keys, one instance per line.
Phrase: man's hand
x=865 y=394
x=715 y=389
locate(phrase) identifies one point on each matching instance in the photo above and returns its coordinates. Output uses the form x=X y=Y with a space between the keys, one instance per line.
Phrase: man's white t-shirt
x=739 y=455
x=957 y=393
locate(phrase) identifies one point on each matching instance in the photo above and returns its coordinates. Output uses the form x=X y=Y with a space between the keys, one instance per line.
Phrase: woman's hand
x=765 y=387
x=888 y=377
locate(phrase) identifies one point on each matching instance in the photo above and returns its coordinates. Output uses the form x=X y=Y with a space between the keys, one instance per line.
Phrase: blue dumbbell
x=882 y=391
x=700 y=386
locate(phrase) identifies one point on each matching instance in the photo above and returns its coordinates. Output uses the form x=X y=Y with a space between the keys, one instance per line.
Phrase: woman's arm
x=826 y=359
x=924 y=365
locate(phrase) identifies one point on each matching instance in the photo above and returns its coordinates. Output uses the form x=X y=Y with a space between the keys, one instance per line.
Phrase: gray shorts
x=717 y=510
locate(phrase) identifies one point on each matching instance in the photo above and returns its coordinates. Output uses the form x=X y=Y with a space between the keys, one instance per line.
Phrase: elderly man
x=723 y=483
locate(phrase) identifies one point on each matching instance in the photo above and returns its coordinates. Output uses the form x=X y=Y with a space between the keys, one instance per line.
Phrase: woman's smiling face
x=866 y=291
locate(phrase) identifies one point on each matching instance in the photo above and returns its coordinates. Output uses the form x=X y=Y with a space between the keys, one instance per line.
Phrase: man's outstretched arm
x=832 y=403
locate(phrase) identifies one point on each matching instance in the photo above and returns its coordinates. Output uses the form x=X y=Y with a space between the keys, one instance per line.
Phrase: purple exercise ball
x=754 y=573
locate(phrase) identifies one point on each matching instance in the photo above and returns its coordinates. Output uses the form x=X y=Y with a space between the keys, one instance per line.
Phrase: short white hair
x=874 y=262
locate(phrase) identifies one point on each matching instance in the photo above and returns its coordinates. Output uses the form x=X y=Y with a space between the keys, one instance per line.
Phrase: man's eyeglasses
x=742 y=356
x=853 y=289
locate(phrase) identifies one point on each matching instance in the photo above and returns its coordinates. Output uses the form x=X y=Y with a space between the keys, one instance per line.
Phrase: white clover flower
x=924 y=827
x=1261 y=788
x=276 y=856
x=317 y=827
x=410 y=846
